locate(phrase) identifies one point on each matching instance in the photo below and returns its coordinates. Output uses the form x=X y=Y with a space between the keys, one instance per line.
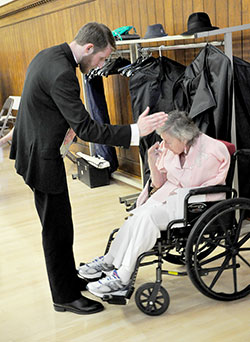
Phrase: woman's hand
x=153 y=153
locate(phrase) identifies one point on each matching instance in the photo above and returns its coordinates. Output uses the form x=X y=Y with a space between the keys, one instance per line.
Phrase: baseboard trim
x=128 y=179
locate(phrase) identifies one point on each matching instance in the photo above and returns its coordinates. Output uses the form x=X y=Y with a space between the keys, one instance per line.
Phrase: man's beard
x=85 y=64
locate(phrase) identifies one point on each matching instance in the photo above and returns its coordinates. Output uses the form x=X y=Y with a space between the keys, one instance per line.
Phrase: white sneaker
x=94 y=269
x=111 y=284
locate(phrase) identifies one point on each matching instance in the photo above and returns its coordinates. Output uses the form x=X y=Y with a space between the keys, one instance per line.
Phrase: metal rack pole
x=91 y=145
x=229 y=52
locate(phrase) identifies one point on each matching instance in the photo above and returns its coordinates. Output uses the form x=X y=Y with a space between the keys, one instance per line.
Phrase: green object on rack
x=122 y=31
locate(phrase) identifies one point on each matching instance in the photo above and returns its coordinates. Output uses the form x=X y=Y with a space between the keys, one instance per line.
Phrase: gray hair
x=180 y=126
x=97 y=34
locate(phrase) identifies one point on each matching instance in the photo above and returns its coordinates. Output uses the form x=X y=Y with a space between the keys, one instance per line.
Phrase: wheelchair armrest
x=214 y=189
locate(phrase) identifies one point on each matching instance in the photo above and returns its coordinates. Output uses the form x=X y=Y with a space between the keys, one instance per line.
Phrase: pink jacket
x=207 y=163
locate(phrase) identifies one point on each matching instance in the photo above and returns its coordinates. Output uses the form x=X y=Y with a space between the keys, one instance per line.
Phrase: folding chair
x=6 y=117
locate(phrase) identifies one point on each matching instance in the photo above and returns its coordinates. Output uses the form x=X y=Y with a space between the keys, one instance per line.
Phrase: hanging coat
x=151 y=85
x=205 y=92
x=99 y=112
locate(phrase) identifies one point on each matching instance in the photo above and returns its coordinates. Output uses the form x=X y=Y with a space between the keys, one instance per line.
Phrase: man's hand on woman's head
x=148 y=123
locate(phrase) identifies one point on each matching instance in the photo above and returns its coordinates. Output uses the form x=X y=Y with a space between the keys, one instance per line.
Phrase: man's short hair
x=97 y=34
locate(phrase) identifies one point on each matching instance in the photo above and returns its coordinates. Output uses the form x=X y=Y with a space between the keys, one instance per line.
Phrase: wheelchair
x=212 y=241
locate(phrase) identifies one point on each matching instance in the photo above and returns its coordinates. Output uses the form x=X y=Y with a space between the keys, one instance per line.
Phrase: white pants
x=137 y=235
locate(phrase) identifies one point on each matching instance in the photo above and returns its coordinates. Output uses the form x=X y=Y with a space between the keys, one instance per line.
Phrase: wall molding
x=20 y=10
x=24 y=8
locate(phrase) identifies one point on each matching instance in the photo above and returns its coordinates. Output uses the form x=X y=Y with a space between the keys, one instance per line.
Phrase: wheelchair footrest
x=118 y=300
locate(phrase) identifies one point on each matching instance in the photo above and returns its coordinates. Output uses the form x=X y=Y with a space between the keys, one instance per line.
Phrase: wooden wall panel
x=187 y=8
x=24 y=34
x=210 y=8
x=221 y=11
x=169 y=24
x=179 y=27
x=234 y=17
x=136 y=18
x=246 y=35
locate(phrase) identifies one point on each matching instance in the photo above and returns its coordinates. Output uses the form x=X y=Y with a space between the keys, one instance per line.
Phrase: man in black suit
x=50 y=105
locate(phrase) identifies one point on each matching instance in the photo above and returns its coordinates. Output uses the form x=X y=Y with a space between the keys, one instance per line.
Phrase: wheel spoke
x=207 y=242
x=243 y=240
x=234 y=273
x=244 y=260
x=158 y=302
x=159 y=297
x=239 y=225
x=216 y=257
x=145 y=295
x=216 y=242
x=218 y=274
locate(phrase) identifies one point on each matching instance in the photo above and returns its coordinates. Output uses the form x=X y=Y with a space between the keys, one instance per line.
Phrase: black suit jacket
x=50 y=104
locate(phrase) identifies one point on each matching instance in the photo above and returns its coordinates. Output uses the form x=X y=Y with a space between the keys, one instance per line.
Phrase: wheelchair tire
x=149 y=302
x=222 y=274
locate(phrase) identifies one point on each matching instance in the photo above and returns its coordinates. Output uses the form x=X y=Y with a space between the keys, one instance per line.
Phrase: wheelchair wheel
x=152 y=299
x=224 y=273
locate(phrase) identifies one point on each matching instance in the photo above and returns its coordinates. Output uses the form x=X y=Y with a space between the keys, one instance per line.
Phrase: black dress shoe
x=81 y=306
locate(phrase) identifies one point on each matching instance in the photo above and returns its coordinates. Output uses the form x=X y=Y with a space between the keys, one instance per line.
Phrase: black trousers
x=54 y=211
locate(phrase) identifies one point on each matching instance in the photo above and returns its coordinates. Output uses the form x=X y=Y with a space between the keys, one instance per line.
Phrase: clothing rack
x=170 y=47
x=136 y=46
x=180 y=47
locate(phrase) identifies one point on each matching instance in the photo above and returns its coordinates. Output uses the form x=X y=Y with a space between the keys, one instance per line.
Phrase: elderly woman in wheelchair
x=186 y=160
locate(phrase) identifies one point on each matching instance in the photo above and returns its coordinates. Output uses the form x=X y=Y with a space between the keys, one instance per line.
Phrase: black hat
x=198 y=22
x=155 y=31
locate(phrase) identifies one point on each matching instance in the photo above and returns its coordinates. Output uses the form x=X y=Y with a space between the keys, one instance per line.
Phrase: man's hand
x=69 y=136
x=148 y=123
